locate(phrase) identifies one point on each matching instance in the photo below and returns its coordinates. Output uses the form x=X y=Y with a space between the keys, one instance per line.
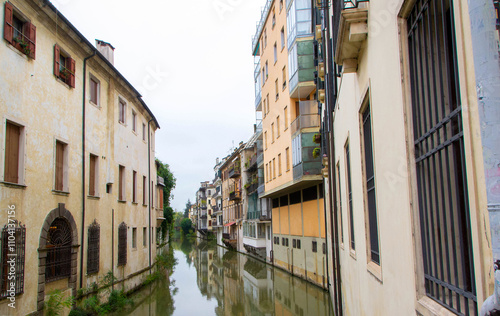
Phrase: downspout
x=83 y=163
x=484 y=36
x=150 y=191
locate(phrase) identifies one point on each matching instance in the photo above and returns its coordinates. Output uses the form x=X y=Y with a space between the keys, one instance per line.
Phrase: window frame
x=27 y=44
x=122 y=244
x=21 y=149
x=134 y=186
x=121 y=183
x=97 y=102
x=93 y=247
x=95 y=191
x=349 y=200
x=20 y=251
x=64 y=73
x=64 y=166
x=122 y=111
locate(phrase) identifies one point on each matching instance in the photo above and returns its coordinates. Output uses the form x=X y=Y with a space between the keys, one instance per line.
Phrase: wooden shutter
x=59 y=165
x=134 y=186
x=92 y=174
x=31 y=34
x=57 y=54
x=144 y=188
x=8 y=30
x=12 y=153
x=120 y=183
x=71 y=67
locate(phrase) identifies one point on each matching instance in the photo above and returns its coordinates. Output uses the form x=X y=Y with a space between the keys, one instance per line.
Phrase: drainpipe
x=485 y=47
x=151 y=191
x=83 y=163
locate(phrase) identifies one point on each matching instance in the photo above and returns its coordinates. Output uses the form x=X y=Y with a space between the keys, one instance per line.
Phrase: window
x=264 y=107
x=282 y=38
x=93 y=248
x=324 y=248
x=349 y=197
x=371 y=204
x=298 y=243
x=122 y=107
x=279 y=165
x=267 y=98
x=274 y=19
x=265 y=139
x=14 y=153
x=294 y=243
x=122 y=244
x=64 y=66
x=144 y=237
x=314 y=246
x=275 y=52
x=144 y=190
x=267 y=173
x=263 y=75
x=61 y=167
x=281 y=5
x=134 y=237
x=339 y=205
x=93 y=172
x=121 y=183
x=267 y=70
x=19 y=32
x=274 y=168
x=272 y=133
x=143 y=132
x=134 y=123
x=95 y=87
x=285 y=117
x=265 y=38
x=12 y=249
x=59 y=241
x=284 y=77
x=287 y=154
x=134 y=186
x=276 y=89
x=278 y=126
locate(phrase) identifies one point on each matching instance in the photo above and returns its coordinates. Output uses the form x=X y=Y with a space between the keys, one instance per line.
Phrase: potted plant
x=316 y=152
x=317 y=138
x=23 y=44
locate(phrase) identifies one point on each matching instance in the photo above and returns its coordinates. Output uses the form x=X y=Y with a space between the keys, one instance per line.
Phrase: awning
x=229 y=224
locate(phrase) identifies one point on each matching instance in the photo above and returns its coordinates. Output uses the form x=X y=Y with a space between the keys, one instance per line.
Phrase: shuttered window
x=64 y=66
x=134 y=186
x=144 y=190
x=59 y=180
x=19 y=32
x=12 y=153
x=121 y=183
x=93 y=175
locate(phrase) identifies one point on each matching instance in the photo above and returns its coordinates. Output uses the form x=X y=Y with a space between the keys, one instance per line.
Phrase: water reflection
x=210 y=280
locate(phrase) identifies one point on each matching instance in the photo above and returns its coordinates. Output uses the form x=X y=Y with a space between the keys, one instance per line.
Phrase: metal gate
x=439 y=156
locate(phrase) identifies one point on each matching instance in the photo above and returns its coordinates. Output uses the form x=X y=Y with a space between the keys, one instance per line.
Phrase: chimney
x=107 y=50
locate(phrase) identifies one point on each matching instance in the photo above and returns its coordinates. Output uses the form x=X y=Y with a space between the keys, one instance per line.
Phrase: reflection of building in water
x=258 y=287
x=296 y=297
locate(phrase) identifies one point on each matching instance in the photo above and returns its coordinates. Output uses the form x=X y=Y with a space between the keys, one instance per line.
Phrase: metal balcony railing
x=260 y=25
x=235 y=170
x=235 y=195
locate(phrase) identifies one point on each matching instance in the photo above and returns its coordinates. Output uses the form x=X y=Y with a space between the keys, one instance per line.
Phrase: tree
x=170 y=181
x=186 y=210
x=186 y=225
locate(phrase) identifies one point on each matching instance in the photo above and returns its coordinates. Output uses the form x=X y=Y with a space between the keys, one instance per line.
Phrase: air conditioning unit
x=321 y=70
x=321 y=96
x=318 y=33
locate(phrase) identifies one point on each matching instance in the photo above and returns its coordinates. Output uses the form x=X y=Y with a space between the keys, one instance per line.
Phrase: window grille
x=440 y=157
x=13 y=248
x=122 y=244
x=93 y=248
x=59 y=241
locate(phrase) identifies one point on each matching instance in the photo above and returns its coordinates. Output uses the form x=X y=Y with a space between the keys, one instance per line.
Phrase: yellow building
x=77 y=160
x=286 y=96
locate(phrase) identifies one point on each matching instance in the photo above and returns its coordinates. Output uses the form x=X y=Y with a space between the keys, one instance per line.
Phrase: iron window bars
x=122 y=244
x=59 y=241
x=94 y=235
x=13 y=241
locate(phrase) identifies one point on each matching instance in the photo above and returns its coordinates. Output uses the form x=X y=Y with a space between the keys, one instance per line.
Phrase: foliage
x=170 y=182
x=188 y=207
x=78 y=311
x=316 y=152
x=116 y=302
x=186 y=225
x=56 y=303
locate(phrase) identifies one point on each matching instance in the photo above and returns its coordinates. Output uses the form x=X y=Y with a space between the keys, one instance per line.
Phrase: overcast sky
x=192 y=61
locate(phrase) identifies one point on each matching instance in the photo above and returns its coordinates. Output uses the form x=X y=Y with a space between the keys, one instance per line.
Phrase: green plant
x=92 y=304
x=24 y=45
x=316 y=152
x=247 y=185
x=78 y=311
x=56 y=303
x=116 y=302
x=317 y=138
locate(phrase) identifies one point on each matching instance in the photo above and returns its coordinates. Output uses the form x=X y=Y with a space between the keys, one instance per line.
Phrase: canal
x=210 y=280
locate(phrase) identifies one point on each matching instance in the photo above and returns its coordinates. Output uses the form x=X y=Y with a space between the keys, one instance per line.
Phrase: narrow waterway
x=210 y=280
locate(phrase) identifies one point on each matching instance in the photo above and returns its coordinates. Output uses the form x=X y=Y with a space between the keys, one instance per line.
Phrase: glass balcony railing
x=301 y=64
x=299 y=20
x=304 y=163
x=308 y=117
x=260 y=25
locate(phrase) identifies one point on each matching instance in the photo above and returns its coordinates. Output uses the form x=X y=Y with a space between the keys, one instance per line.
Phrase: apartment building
x=77 y=167
x=408 y=129
x=286 y=95
x=218 y=223
x=201 y=210
x=232 y=200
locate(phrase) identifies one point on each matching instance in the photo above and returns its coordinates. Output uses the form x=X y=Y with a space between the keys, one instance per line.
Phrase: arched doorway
x=58 y=251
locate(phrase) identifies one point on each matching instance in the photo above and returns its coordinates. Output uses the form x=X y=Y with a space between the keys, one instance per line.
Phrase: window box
x=64 y=66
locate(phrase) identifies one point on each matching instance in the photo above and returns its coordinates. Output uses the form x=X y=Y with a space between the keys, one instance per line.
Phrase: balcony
x=251 y=164
x=261 y=189
x=305 y=166
x=235 y=170
x=299 y=20
x=160 y=181
x=351 y=20
x=235 y=195
x=260 y=27
x=301 y=69
x=252 y=188
x=308 y=118
x=159 y=217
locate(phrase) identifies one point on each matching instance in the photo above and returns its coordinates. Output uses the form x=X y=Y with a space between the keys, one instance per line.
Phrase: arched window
x=59 y=241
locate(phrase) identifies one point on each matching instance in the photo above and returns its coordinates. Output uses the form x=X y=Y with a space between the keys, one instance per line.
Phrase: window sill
x=95 y=105
x=375 y=270
x=122 y=201
x=134 y=132
x=93 y=197
x=286 y=128
x=13 y=185
x=352 y=253
x=57 y=192
x=428 y=307
x=135 y=203
x=145 y=205
x=61 y=81
x=284 y=87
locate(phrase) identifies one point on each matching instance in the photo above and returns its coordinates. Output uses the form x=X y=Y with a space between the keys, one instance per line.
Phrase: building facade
x=77 y=167
x=407 y=209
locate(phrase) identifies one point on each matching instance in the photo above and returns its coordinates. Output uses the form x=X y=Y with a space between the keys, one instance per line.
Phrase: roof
x=101 y=56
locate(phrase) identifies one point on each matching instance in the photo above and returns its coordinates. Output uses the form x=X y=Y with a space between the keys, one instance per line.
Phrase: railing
x=301 y=60
x=261 y=189
x=299 y=18
x=235 y=195
x=234 y=170
x=252 y=188
x=260 y=25
x=308 y=117
x=260 y=159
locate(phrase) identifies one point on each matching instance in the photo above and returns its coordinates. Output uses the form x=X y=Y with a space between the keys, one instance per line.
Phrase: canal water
x=211 y=280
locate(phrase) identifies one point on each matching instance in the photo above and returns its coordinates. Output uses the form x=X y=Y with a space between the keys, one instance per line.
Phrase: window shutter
x=7 y=28
x=57 y=54
x=92 y=175
x=59 y=165
x=32 y=40
x=12 y=153
x=71 y=68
